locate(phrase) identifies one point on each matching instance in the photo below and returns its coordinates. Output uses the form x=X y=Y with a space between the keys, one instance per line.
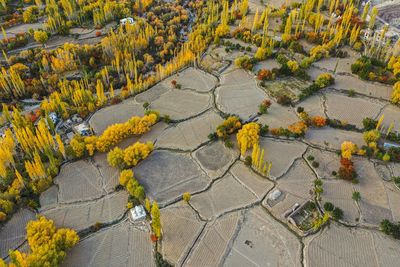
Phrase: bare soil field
x=262 y=241
x=256 y=184
x=181 y=104
x=83 y=215
x=340 y=246
x=120 y=245
x=194 y=79
x=167 y=175
x=181 y=227
x=281 y=154
x=13 y=233
x=332 y=138
x=341 y=107
x=189 y=134
x=224 y=195
x=278 y=116
x=213 y=245
x=215 y=158
x=238 y=94
x=79 y=181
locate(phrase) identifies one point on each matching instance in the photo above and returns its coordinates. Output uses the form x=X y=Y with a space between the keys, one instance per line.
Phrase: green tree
x=356 y=196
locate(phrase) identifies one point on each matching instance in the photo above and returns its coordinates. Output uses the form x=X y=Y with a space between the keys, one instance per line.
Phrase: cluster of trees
x=129 y=157
x=228 y=127
x=248 y=136
x=390 y=228
x=47 y=245
x=347 y=170
x=372 y=69
x=30 y=156
x=83 y=146
x=258 y=161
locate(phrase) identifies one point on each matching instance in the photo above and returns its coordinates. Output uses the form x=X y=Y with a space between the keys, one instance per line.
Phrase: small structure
x=83 y=129
x=138 y=213
x=388 y=145
x=275 y=195
x=127 y=21
x=54 y=118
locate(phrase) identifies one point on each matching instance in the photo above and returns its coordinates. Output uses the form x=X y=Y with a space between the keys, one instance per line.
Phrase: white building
x=138 y=213
x=127 y=21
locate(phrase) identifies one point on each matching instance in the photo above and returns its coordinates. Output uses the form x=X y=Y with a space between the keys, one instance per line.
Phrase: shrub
x=262 y=53
x=284 y=100
x=310 y=157
x=300 y=109
x=324 y=79
x=245 y=62
x=369 y=124
x=264 y=106
x=315 y=164
x=396 y=180
x=371 y=136
x=390 y=228
x=337 y=213
x=186 y=197
x=229 y=126
x=318 y=121
x=356 y=196
x=328 y=206
x=265 y=75
x=247 y=161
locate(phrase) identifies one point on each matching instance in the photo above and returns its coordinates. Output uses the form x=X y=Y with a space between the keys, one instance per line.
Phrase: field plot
x=278 y=116
x=343 y=108
x=373 y=89
x=250 y=180
x=374 y=202
x=224 y=195
x=153 y=93
x=262 y=241
x=340 y=246
x=120 y=245
x=167 y=175
x=333 y=138
x=194 y=79
x=179 y=104
x=336 y=65
x=339 y=193
x=239 y=94
x=108 y=174
x=79 y=181
x=212 y=247
x=181 y=227
x=281 y=154
x=215 y=158
x=119 y=113
x=49 y=198
x=313 y=105
x=290 y=87
x=189 y=134
x=328 y=162
x=81 y=216
x=296 y=187
x=13 y=233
